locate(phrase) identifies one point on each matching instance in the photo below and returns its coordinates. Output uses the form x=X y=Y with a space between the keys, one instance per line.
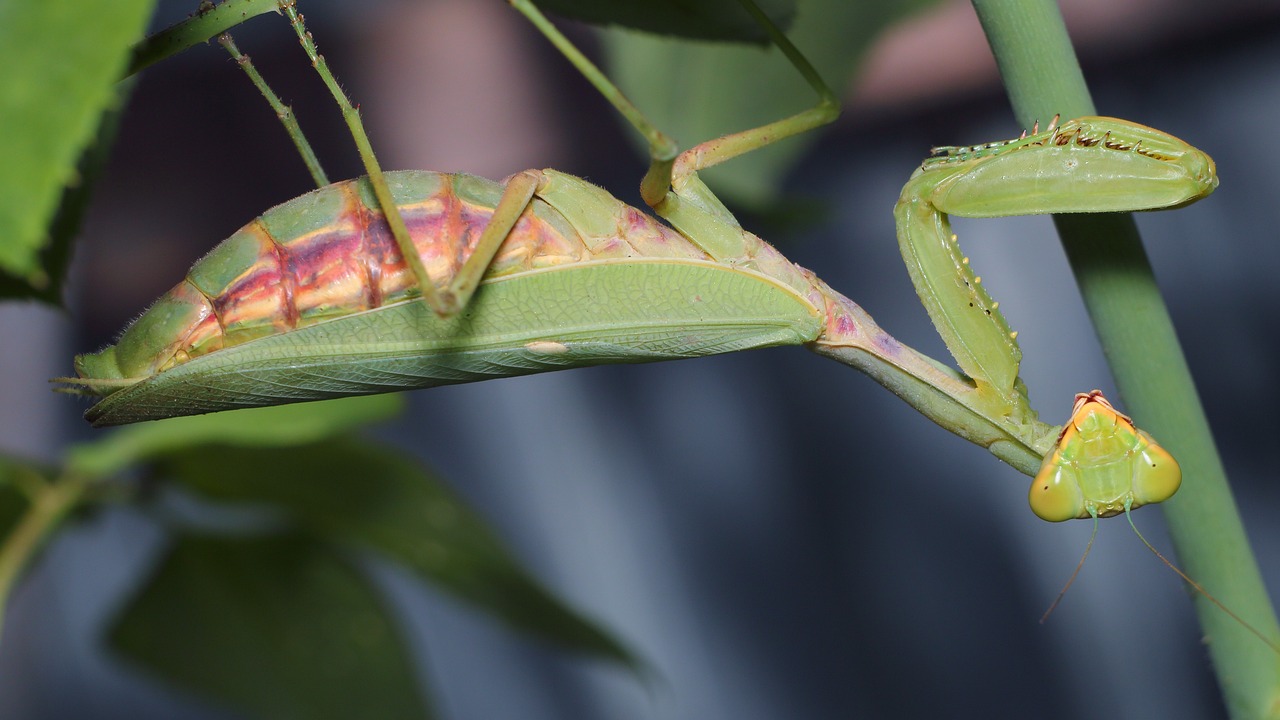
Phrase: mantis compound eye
x=1156 y=475
x=1055 y=493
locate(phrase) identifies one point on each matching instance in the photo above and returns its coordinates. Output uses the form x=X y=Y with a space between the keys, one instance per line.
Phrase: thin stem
x=284 y=112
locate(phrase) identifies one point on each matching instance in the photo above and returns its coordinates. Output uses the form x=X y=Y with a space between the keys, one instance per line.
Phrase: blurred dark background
x=779 y=536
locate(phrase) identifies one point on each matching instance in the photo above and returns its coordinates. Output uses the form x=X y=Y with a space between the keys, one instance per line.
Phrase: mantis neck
x=942 y=394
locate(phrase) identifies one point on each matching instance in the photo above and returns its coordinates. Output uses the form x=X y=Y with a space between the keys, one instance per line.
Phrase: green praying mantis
x=411 y=279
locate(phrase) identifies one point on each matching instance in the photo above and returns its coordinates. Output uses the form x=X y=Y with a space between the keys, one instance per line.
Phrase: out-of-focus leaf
x=701 y=19
x=697 y=91
x=59 y=61
x=376 y=498
x=280 y=627
x=271 y=426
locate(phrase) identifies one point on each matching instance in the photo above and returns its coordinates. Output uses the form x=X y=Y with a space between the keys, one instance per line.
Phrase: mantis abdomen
x=312 y=300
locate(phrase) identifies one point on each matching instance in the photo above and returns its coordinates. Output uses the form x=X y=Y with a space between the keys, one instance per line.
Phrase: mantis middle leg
x=671 y=186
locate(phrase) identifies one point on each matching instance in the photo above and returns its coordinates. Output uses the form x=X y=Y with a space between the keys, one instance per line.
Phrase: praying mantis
x=546 y=271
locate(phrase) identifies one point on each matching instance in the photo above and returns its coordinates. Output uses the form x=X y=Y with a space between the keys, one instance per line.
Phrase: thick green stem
x=205 y=24
x=1043 y=78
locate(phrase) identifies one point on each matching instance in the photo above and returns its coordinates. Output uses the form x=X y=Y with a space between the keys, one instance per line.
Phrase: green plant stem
x=50 y=503
x=205 y=24
x=1042 y=77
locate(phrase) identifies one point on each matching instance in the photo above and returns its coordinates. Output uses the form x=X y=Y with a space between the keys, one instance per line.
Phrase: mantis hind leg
x=381 y=190
x=283 y=112
x=515 y=198
x=671 y=185
x=454 y=295
x=707 y=154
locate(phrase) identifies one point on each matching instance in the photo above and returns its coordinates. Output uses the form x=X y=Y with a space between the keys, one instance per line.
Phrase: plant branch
x=208 y=22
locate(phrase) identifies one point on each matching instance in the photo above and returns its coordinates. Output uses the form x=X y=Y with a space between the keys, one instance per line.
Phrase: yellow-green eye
x=1055 y=493
x=1156 y=475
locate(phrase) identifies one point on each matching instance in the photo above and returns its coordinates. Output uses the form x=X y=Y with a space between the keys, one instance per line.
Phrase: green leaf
x=59 y=61
x=702 y=19
x=55 y=258
x=376 y=498
x=280 y=627
x=698 y=92
x=270 y=427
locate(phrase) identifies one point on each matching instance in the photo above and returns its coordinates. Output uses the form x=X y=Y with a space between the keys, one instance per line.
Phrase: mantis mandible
x=414 y=279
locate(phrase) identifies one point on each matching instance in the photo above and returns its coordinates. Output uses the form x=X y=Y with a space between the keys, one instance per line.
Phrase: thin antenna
x=1270 y=643
x=1092 y=536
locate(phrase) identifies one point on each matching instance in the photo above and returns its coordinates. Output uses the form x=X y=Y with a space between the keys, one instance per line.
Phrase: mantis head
x=1101 y=466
